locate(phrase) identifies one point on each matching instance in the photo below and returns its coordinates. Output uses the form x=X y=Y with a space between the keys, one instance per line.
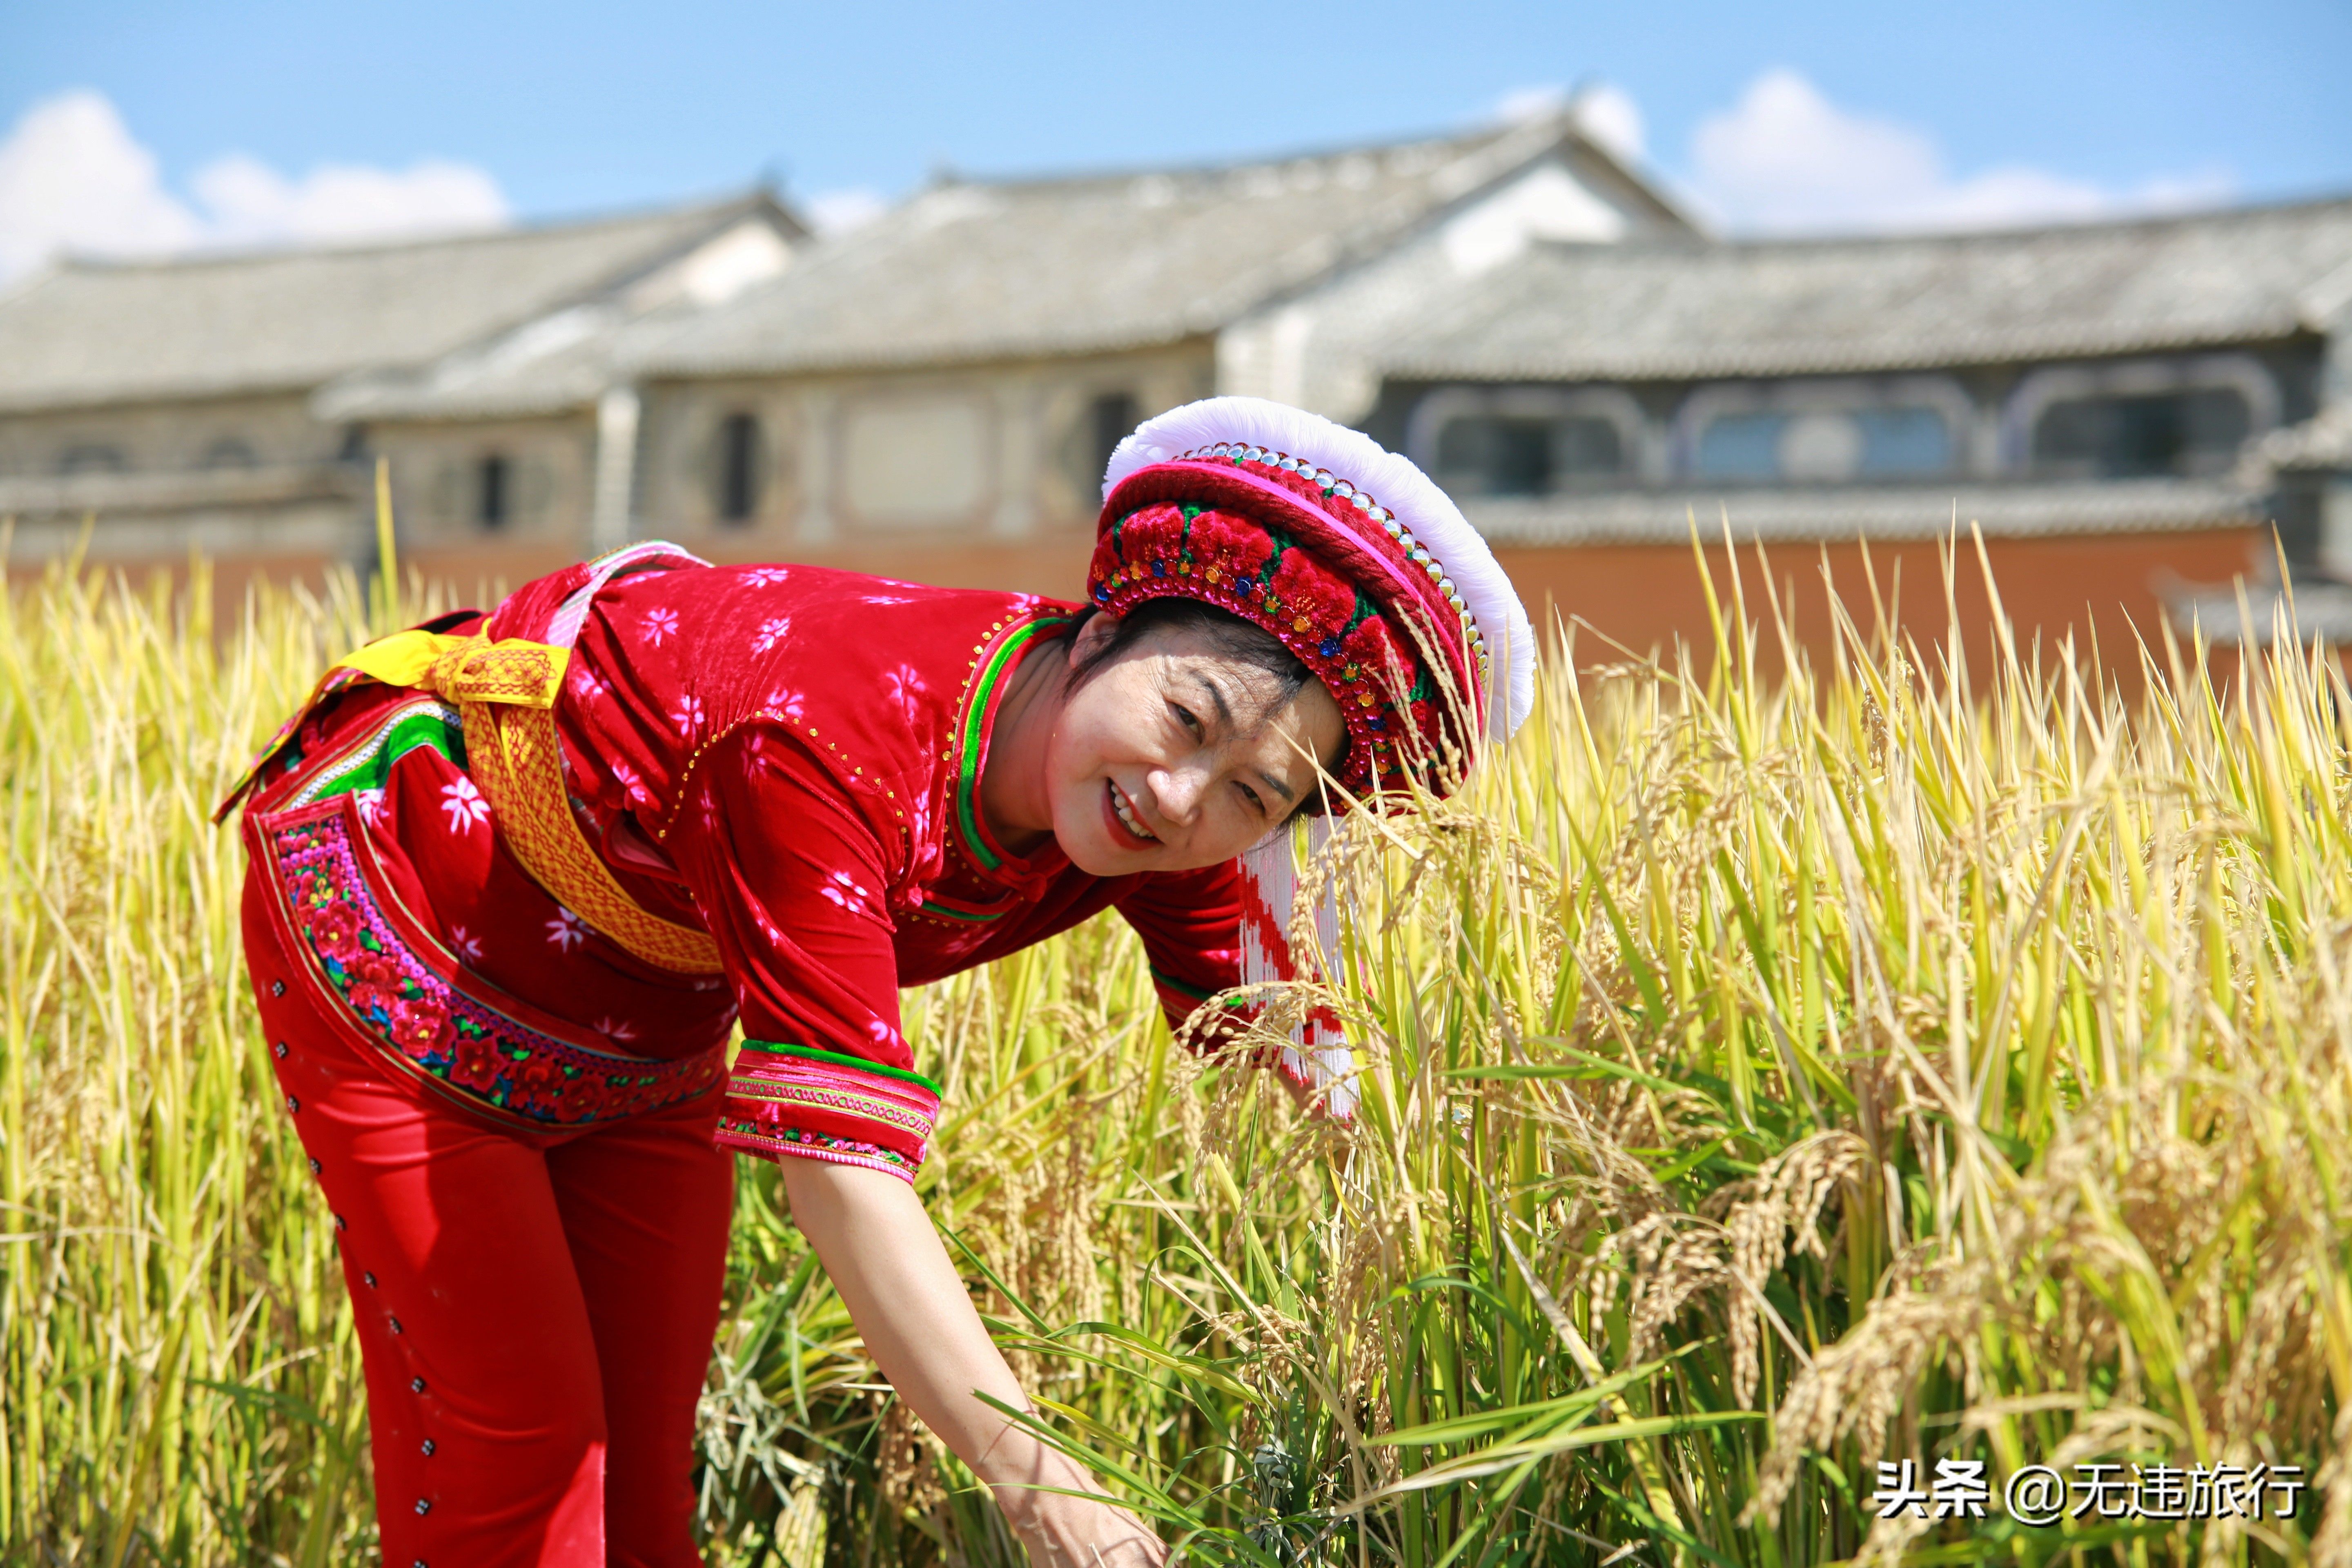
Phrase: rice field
x=1772 y=1077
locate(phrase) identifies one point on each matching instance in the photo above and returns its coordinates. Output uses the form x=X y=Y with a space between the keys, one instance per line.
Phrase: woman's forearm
x=878 y=1247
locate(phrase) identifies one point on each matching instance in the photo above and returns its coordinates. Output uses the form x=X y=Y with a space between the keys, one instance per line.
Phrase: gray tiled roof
x=1665 y=311
x=91 y=333
x=1019 y=269
x=559 y=362
x=1846 y=512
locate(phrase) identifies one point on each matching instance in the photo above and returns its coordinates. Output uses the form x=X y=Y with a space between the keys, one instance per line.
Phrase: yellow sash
x=505 y=694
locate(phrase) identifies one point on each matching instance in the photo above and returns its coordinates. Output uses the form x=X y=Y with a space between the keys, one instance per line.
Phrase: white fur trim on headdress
x=1404 y=490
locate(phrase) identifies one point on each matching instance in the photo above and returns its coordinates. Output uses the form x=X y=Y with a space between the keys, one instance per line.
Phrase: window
x=228 y=452
x=1527 y=441
x=2192 y=430
x=1114 y=415
x=2150 y=418
x=1825 y=445
x=738 y=468
x=93 y=457
x=493 y=492
x=1741 y=447
x=1526 y=455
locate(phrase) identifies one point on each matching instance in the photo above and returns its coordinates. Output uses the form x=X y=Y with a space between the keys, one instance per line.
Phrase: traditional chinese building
x=934 y=392
x=191 y=404
x=2124 y=411
x=2132 y=414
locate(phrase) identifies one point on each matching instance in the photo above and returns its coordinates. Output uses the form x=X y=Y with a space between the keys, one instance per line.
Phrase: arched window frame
x=1635 y=436
x=76 y=458
x=227 y=451
x=1704 y=404
x=2033 y=395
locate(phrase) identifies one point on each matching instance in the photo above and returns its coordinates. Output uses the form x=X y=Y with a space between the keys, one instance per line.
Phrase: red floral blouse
x=788 y=758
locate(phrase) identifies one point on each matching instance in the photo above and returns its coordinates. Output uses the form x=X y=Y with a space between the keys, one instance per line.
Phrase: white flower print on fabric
x=468 y=945
x=887 y=599
x=631 y=784
x=767 y=576
x=370 y=805
x=785 y=702
x=844 y=890
x=706 y=805
x=464 y=804
x=616 y=1029
x=566 y=930
x=772 y=630
x=659 y=623
x=902 y=687
x=586 y=684
x=687 y=715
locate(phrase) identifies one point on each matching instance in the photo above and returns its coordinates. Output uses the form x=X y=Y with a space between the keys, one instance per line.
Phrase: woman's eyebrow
x=1217 y=696
x=1280 y=788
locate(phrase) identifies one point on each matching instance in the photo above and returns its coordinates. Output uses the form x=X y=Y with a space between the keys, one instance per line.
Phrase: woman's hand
x=882 y=1255
x=1063 y=1532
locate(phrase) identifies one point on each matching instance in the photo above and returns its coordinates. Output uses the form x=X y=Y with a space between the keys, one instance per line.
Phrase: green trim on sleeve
x=838 y=1059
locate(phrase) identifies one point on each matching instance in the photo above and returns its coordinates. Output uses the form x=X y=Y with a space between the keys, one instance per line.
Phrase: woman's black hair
x=1227 y=634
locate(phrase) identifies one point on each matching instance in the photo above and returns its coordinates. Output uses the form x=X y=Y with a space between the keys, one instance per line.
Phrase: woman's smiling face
x=1173 y=755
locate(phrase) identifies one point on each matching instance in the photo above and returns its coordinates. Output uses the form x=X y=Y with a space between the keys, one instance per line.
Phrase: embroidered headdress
x=1360 y=566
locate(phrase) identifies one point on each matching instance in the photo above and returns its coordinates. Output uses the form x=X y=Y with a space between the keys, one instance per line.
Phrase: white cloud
x=74 y=180
x=1785 y=159
x=250 y=202
x=838 y=212
x=71 y=176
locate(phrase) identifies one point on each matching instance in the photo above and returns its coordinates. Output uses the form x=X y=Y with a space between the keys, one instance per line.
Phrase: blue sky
x=1793 y=115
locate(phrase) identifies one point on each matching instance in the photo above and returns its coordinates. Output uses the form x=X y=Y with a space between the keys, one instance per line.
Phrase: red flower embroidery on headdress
x=1315 y=602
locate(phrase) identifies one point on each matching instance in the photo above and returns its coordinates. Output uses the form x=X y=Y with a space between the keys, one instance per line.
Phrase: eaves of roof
x=1711 y=362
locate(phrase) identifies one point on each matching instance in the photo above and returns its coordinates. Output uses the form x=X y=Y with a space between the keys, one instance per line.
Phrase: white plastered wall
x=1318 y=350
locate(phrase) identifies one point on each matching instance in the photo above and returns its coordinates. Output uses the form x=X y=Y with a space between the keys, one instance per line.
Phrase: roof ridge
x=1461 y=143
x=2121 y=223
x=530 y=229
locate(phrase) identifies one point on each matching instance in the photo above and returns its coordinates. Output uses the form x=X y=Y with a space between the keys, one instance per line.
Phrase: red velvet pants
x=535 y=1311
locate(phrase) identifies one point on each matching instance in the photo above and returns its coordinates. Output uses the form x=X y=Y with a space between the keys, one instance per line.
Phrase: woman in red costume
x=513 y=878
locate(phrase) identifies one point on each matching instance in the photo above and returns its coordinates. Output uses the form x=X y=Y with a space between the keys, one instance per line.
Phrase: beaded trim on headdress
x=1339 y=488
